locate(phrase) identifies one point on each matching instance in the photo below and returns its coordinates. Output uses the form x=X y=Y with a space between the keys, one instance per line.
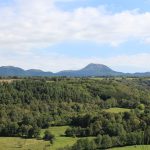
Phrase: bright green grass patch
x=60 y=139
x=33 y=144
x=99 y=78
x=117 y=110
x=141 y=147
x=22 y=144
x=57 y=131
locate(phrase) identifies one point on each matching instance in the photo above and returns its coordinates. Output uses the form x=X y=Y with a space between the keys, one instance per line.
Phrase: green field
x=22 y=144
x=9 y=80
x=117 y=110
x=33 y=144
x=142 y=147
x=61 y=140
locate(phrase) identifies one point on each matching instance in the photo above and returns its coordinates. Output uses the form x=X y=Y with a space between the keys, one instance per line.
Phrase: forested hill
x=29 y=105
x=88 y=71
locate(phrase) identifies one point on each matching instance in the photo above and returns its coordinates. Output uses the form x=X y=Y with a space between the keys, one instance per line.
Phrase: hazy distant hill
x=34 y=72
x=89 y=70
x=146 y=74
x=11 y=71
x=15 y=71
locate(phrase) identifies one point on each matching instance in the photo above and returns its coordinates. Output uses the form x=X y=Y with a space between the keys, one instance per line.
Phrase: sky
x=54 y=35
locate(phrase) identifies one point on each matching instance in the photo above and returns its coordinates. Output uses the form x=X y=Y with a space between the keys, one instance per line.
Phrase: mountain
x=15 y=71
x=98 y=70
x=90 y=70
x=146 y=74
x=11 y=71
x=35 y=72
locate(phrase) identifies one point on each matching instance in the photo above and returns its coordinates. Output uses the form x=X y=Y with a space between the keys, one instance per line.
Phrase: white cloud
x=39 y=23
x=32 y=24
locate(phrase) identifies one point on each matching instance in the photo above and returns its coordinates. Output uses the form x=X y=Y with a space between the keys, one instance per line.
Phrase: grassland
x=8 y=80
x=117 y=110
x=60 y=139
x=33 y=144
x=142 y=147
x=22 y=144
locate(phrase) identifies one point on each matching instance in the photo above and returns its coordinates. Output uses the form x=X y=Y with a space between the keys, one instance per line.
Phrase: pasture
x=140 y=147
x=13 y=143
x=117 y=110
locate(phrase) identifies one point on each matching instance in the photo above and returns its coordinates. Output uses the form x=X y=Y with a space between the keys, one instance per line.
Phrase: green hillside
x=81 y=113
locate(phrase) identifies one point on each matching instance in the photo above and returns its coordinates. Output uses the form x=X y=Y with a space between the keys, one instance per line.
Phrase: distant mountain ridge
x=90 y=70
x=15 y=71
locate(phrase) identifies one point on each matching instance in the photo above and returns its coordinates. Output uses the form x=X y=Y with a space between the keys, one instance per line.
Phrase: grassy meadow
x=33 y=144
x=22 y=144
x=60 y=139
x=117 y=110
x=141 y=147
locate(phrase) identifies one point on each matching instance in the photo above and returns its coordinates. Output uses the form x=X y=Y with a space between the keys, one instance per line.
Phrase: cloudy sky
x=54 y=35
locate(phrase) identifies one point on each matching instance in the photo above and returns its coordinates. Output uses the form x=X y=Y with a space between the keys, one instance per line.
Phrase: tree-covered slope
x=31 y=104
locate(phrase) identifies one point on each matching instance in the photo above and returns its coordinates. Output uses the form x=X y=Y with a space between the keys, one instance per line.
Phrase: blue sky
x=54 y=35
x=113 y=5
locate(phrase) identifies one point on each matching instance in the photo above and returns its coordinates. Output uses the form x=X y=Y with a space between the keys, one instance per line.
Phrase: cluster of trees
x=132 y=138
x=129 y=128
x=106 y=141
x=109 y=123
x=13 y=130
x=107 y=92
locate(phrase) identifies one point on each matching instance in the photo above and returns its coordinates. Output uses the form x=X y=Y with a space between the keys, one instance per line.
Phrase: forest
x=29 y=105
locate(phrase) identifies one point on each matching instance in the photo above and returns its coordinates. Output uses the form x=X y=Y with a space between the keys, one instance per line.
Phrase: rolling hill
x=96 y=70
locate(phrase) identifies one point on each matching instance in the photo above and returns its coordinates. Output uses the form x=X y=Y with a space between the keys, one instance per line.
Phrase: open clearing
x=60 y=139
x=22 y=144
x=117 y=110
x=33 y=144
x=8 y=80
x=142 y=147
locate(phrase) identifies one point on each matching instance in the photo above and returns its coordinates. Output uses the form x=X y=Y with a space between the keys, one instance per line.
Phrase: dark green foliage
x=106 y=141
x=84 y=144
x=48 y=136
x=98 y=141
x=147 y=135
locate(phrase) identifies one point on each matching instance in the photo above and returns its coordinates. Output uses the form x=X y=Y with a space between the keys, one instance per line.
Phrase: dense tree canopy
x=30 y=104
